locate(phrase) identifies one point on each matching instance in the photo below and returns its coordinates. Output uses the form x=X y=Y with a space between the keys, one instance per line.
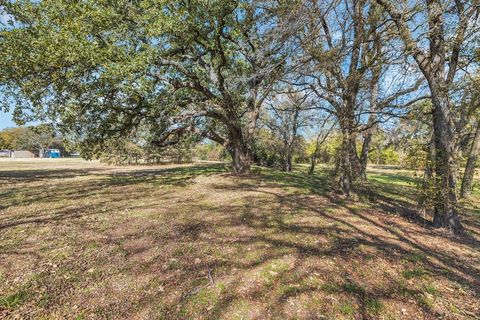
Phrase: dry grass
x=80 y=240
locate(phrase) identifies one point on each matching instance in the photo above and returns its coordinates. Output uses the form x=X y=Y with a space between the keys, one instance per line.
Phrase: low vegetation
x=82 y=240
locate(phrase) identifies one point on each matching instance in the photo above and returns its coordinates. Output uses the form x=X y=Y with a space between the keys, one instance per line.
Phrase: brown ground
x=79 y=240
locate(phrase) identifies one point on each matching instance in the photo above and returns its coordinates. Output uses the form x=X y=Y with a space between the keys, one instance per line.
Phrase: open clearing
x=80 y=240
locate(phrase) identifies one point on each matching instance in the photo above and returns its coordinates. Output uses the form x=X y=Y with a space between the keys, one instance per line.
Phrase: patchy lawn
x=79 y=240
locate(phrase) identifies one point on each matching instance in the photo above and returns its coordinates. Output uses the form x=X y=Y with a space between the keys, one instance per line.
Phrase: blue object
x=52 y=153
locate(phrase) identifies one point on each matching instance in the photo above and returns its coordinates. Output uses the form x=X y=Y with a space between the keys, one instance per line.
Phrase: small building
x=51 y=153
x=22 y=154
x=6 y=153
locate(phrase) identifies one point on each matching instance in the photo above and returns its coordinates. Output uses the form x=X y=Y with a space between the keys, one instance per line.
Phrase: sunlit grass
x=195 y=242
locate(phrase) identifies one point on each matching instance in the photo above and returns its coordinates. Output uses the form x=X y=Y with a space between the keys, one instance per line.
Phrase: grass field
x=80 y=240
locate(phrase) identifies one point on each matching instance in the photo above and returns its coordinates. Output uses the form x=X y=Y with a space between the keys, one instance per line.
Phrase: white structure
x=22 y=154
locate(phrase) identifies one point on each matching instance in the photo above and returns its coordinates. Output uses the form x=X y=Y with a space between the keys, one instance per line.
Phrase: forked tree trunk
x=469 y=173
x=348 y=162
x=372 y=119
x=446 y=202
x=372 y=126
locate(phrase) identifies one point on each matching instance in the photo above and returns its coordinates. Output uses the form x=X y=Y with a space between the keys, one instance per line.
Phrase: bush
x=416 y=155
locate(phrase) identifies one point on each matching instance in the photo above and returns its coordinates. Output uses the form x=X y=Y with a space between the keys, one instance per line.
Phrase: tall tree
x=10 y=138
x=339 y=83
x=38 y=138
x=439 y=63
x=104 y=68
x=468 y=126
x=288 y=114
x=354 y=34
x=474 y=152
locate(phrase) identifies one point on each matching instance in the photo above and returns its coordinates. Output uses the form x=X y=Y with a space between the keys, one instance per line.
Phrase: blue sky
x=6 y=120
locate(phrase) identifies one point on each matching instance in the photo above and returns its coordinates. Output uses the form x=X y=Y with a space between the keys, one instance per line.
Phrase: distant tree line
x=36 y=139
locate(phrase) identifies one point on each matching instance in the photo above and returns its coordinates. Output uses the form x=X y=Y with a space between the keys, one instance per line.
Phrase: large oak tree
x=103 y=68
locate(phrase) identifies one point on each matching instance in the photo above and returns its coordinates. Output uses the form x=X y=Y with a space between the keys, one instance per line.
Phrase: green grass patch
x=393 y=179
x=347 y=308
x=425 y=302
x=273 y=271
x=414 y=273
x=290 y=289
x=331 y=288
x=240 y=310
x=184 y=249
x=403 y=290
x=13 y=300
x=414 y=257
x=373 y=305
x=431 y=289
x=454 y=309
x=353 y=288
x=92 y=245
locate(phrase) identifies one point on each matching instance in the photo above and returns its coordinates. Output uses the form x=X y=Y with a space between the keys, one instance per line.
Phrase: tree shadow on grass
x=64 y=188
x=399 y=195
x=181 y=176
x=27 y=176
x=278 y=220
x=442 y=264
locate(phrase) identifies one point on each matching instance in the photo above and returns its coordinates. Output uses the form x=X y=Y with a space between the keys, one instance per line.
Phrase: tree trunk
x=313 y=160
x=430 y=161
x=367 y=141
x=345 y=175
x=371 y=124
x=288 y=161
x=349 y=162
x=364 y=155
x=469 y=173
x=428 y=172
x=349 y=165
x=240 y=154
x=446 y=203
x=433 y=66
x=240 y=161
